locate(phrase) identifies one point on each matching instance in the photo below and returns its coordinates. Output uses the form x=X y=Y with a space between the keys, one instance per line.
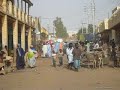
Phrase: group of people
x=73 y=53
x=73 y=56
x=115 y=53
x=22 y=58
x=55 y=50
x=48 y=48
x=111 y=51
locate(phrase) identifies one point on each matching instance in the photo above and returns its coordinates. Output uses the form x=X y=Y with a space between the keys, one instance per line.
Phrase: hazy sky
x=72 y=12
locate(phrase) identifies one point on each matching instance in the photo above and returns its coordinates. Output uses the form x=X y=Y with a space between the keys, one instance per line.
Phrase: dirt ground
x=46 y=77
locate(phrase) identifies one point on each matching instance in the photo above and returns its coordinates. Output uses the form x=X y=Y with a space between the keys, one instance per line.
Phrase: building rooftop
x=29 y=2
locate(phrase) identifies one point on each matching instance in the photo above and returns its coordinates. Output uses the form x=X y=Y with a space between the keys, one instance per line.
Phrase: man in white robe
x=44 y=49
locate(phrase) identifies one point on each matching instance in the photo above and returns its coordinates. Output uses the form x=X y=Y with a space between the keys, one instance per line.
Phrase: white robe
x=69 y=54
x=44 y=49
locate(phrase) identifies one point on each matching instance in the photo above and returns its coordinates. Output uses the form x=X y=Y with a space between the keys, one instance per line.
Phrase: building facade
x=110 y=28
x=16 y=25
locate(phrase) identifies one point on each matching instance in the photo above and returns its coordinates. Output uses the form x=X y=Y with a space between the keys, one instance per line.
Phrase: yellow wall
x=43 y=30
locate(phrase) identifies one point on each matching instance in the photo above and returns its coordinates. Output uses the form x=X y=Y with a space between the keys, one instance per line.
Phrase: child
x=54 y=58
x=60 y=56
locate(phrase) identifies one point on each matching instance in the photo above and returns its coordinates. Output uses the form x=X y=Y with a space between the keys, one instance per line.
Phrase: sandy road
x=46 y=77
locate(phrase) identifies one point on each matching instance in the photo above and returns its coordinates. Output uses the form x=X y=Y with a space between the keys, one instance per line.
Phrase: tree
x=81 y=31
x=78 y=34
x=84 y=30
x=90 y=28
x=43 y=36
x=61 y=31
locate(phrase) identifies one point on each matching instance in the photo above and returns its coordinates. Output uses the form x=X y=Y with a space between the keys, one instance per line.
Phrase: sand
x=46 y=77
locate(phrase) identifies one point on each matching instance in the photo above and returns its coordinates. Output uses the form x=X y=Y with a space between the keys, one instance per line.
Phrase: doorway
x=10 y=37
x=0 y=33
x=26 y=40
x=19 y=33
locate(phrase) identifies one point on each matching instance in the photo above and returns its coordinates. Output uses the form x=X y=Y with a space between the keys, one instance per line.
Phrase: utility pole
x=87 y=19
x=93 y=12
x=82 y=27
x=53 y=31
x=40 y=27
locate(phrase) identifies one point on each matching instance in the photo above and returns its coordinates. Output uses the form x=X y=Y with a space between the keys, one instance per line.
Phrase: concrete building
x=104 y=31
x=110 y=28
x=42 y=34
x=16 y=25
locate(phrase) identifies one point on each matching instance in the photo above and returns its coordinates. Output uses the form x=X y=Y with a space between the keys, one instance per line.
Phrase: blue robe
x=57 y=46
x=49 y=51
x=20 y=62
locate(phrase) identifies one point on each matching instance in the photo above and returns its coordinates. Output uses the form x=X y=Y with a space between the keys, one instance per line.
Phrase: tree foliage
x=90 y=28
x=80 y=32
x=61 y=31
x=43 y=36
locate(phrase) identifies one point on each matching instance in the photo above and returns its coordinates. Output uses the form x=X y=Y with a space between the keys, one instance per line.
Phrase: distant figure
x=20 y=63
x=57 y=46
x=118 y=57
x=114 y=58
x=44 y=49
x=54 y=57
x=88 y=47
x=113 y=43
x=61 y=46
x=96 y=46
x=49 y=50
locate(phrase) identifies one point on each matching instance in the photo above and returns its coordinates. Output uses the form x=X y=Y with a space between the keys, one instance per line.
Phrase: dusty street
x=46 y=77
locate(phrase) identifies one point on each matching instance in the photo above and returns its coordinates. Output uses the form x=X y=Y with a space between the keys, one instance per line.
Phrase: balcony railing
x=26 y=18
x=23 y=16
x=19 y=14
x=13 y=11
x=103 y=25
x=115 y=19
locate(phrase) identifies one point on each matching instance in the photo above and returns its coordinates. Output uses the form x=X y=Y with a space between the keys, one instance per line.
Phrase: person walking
x=76 y=56
x=113 y=44
x=113 y=56
x=31 y=57
x=44 y=49
x=60 y=56
x=20 y=63
x=69 y=53
x=54 y=57
x=118 y=57
x=49 y=50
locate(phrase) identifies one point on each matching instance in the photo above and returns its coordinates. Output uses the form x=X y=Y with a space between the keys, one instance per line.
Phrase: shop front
x=10 y=36
x=0 y=32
